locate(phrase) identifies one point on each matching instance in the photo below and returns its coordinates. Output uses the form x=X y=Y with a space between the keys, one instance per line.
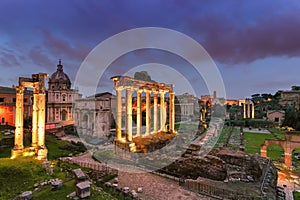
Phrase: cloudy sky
x=254 y=44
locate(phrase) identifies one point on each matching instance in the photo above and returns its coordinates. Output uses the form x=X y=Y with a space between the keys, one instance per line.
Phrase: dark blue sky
x=255 y=44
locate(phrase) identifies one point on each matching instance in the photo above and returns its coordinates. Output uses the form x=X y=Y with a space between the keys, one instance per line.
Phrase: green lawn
x=275 y=152
x=254 y=140
x=278 y=132
x=19 y=175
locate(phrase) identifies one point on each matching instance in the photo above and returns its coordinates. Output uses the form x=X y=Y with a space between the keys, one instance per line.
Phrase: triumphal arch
x=37 y=148
x=158 y=117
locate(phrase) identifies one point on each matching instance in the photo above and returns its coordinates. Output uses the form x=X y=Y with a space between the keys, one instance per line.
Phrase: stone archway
x=291 y=141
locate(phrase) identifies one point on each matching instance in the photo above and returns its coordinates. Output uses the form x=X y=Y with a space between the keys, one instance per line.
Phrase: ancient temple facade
x=60 y=97
x=159 y=115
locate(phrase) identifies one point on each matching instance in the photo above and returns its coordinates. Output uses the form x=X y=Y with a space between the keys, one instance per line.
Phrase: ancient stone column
x=148 y=127
x=171 y=112
x=288 y=159
x=129 y=114
x=19 y=118
x=245 y=110
x=35 y=118
x=263 y=150
x=119 y=114
x=248 y=109
x=138 y=112
x=252 y=110
x=162 y=110
x=155 y=113
x=41 y=119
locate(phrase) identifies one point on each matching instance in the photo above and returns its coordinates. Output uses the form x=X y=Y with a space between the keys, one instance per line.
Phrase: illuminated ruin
x=248 y=106
x=37 y=148
x=159 y=122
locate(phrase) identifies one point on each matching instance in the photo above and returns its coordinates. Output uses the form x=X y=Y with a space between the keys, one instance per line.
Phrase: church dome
x=59 y=80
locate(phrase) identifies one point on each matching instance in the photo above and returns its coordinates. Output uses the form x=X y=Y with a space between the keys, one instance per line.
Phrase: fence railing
x=94 y=166
x=219 y=193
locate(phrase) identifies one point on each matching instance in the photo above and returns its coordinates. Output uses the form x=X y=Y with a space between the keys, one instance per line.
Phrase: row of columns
x=38 y=119
x=248 y=109
x=148 y=112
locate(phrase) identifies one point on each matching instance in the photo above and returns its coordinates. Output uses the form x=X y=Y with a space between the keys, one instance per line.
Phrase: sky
x=255 y=45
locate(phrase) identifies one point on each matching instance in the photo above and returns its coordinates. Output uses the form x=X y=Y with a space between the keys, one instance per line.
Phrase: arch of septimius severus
x=131 y=85
x=38 y=148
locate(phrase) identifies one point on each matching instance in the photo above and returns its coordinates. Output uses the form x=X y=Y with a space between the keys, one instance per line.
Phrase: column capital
x=138 y=90
x=147 y=90
x=119 y=88
x=154 y=91
x=19 y=89
x=162 y=91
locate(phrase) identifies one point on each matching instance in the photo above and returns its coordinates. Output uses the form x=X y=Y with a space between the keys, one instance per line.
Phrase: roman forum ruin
x=38 y=148
x=248 y=106
x=159 y=123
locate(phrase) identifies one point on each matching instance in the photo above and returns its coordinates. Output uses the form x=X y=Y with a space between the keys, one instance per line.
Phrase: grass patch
x=223 y=136
x=296 y=195
x=61 y=148
x=278 y=132
x=275 y=152
x=254 y=140
x=19 y=175
x=48 y=193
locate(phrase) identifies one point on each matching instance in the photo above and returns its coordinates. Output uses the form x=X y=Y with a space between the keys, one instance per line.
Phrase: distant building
x=60 y=97
x=290 y=97
x=207 y=100
x=276 y=116
x=232 y=102
x=186 y=105
x=93 y=115
x=211 y=100
x=8 y=105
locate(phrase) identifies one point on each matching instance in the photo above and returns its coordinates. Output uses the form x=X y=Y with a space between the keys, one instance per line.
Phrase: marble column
x=19 y=118
x=35 y=119
x=148 y=125
x=171 y=112
x=138 y=112
x=155 y=113
x=248 y=109
x=129 y=114
x=162 y=110
x=119 y=114
x=41 y=119
x=245 y=110
x=253 y=108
